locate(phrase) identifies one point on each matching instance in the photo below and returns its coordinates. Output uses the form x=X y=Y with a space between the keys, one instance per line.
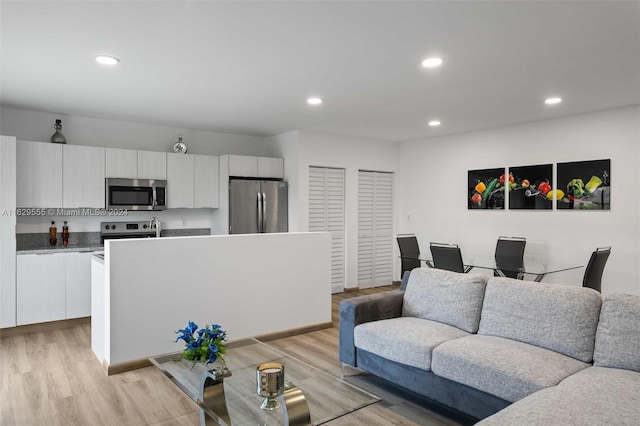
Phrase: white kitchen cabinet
x=121 y=163
x=180 y=181
x=39 y=174
x=83 y=176
x=205 y=181
x=270 y=167
x=53 y=287
x=40 y=288
x=78 y=285
x=258 y=167
x=152 y=165
x=243 y=165
x=7 y=232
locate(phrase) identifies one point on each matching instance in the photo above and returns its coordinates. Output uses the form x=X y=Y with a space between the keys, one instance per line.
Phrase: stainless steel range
x=118 y=230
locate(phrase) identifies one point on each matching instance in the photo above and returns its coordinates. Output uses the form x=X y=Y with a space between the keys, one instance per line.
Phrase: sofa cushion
x=406 y=340
x=595 y=396
x=505 y=368
x=558 y=317
x=448 y=297
x=618 y=335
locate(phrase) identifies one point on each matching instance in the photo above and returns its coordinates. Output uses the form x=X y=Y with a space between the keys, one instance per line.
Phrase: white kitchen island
x=252 y=285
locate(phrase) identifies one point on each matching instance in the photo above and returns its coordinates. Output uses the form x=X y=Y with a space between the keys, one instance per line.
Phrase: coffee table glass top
x=327 y=396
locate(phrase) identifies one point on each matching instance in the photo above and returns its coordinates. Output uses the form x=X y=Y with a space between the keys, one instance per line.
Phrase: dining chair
x=509 y=256
x=447 y=256
x=409 y=252
x=595 y=268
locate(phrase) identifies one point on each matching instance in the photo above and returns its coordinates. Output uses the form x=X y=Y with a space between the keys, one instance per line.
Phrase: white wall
x=80 y=130
x=433 y=181
x=288 y=147
x=351 y=154
x=171 y=219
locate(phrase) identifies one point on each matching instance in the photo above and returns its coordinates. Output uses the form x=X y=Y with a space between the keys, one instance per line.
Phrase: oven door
x=135 y=194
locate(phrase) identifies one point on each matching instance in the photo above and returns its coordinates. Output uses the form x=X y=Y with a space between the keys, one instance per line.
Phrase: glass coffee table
x=229 y=397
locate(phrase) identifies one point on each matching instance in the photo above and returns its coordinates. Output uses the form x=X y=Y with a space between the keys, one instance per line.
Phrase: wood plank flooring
x=53 y=378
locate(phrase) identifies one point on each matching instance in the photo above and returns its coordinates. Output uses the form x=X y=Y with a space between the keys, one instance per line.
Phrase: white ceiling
x=248 y=67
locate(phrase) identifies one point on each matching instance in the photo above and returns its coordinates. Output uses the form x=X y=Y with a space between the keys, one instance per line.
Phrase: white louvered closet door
x=375 y=229
x=326 y=214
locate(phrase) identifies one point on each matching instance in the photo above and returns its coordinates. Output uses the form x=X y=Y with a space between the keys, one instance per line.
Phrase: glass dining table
x=531 y=267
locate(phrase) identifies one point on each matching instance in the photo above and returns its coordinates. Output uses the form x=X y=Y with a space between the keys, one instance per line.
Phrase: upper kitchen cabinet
x=243 y=165
x=270 y=167
x=83 y=176
x=121 y=163
x=152 y=165
x=258 y=167
x=39 y=174
x=205 y=181
x=180 y=169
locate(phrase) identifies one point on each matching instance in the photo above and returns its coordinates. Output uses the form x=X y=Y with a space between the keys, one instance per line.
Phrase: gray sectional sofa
x=506 y=351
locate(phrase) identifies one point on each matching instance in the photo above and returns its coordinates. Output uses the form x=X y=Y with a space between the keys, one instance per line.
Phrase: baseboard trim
x=144 y=362
x=43 y=326
x=294 y=331
x=126 y=366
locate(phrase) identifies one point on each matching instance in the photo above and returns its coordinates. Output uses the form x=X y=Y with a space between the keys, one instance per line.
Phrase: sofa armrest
x=359 y=310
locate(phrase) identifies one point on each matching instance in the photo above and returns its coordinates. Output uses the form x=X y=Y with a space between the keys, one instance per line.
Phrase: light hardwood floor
x=53 y=378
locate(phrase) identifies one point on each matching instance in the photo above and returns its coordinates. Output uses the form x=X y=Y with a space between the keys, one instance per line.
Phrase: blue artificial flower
x=192 y=327
x=187 y=332
x=213 y=349
x=207 y=343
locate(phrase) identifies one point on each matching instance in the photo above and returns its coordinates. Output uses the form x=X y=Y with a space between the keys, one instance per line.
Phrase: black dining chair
x=447 y=256
x=409 y=252
x=510 y=256
x=595 y=268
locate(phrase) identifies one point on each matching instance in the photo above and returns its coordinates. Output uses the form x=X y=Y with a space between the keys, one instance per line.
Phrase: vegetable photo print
x=586 y=185
x=486 y=189
x=531 y=187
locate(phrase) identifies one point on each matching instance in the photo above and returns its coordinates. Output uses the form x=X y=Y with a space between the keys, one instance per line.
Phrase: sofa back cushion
x=618 y=335
x=561 y=318
x=447 y=297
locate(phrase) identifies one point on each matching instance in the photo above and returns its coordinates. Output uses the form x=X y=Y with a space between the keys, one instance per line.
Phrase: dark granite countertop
x=38 y=243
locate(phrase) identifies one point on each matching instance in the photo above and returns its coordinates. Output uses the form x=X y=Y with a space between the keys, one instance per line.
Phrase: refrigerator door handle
x=259 y=207
x=264 y=212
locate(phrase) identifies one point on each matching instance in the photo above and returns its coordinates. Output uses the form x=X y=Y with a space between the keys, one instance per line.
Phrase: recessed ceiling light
x=314 y=101
x=107 y=60
x=434 y=123
x=432 y=62
x=552 y=101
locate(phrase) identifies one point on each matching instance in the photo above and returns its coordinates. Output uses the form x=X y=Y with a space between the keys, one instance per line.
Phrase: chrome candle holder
x=270 y=384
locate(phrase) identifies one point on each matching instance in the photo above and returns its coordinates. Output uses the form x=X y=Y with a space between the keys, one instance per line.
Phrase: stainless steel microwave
x=136 y=194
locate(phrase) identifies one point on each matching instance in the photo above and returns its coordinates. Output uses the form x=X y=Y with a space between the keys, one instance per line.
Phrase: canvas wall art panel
x=586 y=185
x=531 y=187
x=485 y=189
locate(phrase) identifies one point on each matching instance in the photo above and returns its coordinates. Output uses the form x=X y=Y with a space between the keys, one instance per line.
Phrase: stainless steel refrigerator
x=258 y=206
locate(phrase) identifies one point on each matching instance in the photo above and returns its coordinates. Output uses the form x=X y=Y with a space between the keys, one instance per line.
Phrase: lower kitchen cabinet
x=40 y=289
x=78 y=288
x=52 y=287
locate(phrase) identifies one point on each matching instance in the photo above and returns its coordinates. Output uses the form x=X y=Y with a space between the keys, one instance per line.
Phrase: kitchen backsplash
x=171 y=220
x=34 y=241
